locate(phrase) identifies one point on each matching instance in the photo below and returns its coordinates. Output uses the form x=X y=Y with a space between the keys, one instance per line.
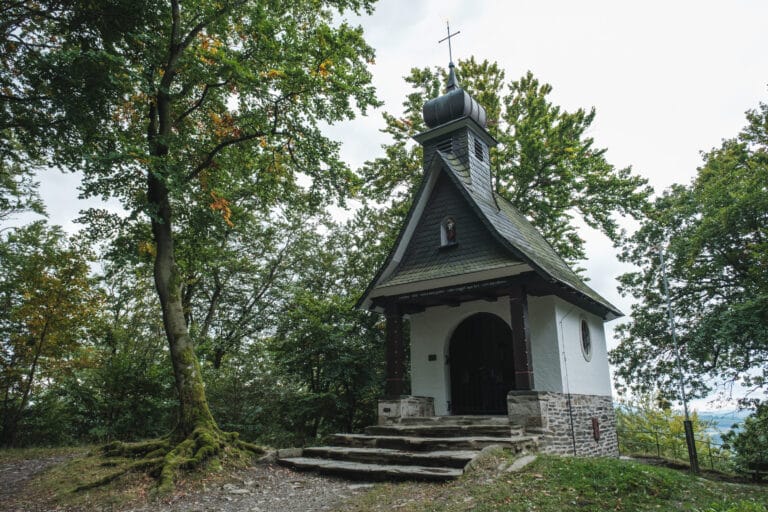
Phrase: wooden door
x=482 y=366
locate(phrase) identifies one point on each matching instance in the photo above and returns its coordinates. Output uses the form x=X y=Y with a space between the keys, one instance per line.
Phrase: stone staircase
x=430 y=448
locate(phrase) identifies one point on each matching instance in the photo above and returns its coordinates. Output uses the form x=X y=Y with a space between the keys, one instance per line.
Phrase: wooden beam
x=521 y=338
x=395 y=371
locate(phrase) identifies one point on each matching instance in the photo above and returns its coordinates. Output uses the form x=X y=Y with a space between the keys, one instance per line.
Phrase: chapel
x=494 y=321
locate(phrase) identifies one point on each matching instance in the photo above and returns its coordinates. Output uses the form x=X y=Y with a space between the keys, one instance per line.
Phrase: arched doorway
x=482 y=367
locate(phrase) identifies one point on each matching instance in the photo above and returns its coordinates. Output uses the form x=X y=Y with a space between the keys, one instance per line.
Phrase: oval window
x=586 y=340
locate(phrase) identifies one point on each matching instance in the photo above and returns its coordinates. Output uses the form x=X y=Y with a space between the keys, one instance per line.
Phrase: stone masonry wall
x=548 y=415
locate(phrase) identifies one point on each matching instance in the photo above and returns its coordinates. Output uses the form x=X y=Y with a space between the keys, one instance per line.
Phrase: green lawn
x=563 y=484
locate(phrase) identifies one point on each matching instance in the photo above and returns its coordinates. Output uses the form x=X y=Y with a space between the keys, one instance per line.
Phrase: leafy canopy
x=47 y=302
x=714 y=235
x=83 y=80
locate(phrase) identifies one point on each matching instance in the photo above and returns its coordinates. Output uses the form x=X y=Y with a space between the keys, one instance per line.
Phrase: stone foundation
x=392 y=410
x=588 y=422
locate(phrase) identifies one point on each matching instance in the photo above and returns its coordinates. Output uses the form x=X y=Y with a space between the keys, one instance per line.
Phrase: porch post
x=521 y=338
x=395 y=372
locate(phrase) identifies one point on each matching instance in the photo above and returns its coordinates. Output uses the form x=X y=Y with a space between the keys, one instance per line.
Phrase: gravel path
x=265 y=487
x=15 y=474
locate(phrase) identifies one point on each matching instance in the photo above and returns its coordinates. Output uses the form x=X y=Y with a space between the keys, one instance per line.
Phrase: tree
x=332 y=351
x=18 y=191
x=715 y=241
x=47 y=301
x=750 y=442
x=167 y=108
x=545 y=163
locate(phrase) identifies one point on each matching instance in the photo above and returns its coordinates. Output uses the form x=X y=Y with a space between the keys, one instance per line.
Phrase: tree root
x=162 y=458
x=144 y=464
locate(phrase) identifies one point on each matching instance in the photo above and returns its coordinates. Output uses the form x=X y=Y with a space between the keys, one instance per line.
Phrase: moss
x=154 y=446
x=164 y=458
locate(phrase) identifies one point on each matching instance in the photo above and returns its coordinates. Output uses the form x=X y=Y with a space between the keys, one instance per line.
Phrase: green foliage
x=332 y=351
x=195 y=118
x=47 y=301
x=739 y=506
x=647 y=427
x=125 y=391
x=18 y=191
x=715 y=239
x=750 y=442
x=116 y=384
x=545 y=163
x=309 y=364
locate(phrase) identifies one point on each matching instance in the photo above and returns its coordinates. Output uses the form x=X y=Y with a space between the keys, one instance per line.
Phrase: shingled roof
x=520 y=239
x=498 y=242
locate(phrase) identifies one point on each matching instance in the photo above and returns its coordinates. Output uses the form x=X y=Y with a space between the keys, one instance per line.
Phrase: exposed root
x=139 y=465
x=204 y=445
x=120 y=449
x=162 y=459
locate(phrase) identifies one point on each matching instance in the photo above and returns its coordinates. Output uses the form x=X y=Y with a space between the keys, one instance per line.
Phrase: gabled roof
x=504 y=222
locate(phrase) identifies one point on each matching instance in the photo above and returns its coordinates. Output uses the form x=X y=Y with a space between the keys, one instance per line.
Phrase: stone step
x=443 y=430
x=455 y=420
x=424 y=444
x=444 y=458
x=363 y=471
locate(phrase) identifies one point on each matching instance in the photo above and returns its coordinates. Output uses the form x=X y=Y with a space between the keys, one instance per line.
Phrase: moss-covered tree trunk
x=193 y=406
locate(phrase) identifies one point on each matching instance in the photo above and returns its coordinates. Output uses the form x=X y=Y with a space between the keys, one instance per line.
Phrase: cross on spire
x=448 y=38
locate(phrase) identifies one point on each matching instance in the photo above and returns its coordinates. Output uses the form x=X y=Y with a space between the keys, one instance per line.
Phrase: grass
x=566 y=484
x=17 y=454
x=558 y=484
x=56 y=488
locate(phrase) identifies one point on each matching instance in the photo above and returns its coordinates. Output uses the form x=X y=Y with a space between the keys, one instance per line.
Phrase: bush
x=750 y=443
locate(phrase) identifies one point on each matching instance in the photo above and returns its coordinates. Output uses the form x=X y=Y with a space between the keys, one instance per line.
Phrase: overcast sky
x=668 y=79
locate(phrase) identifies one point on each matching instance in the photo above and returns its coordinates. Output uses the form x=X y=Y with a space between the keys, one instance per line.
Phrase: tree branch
x=208 y=159
x=199 y=101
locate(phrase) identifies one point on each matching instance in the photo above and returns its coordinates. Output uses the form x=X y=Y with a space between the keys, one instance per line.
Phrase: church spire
x=452 y=82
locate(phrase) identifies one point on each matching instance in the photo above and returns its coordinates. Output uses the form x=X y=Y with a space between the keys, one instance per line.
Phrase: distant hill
x=722 y=421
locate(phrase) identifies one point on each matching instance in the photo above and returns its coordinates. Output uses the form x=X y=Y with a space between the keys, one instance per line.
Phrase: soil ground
x=264 y=487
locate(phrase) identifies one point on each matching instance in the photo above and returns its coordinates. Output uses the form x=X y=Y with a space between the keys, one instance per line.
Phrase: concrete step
x=444 y=458
x=424 y=444
x=363 y=471
x=443 y=430
x=455 y=420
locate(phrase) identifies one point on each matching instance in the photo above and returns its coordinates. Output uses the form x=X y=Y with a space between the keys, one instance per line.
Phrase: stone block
x=392 y=410
x=529 y=409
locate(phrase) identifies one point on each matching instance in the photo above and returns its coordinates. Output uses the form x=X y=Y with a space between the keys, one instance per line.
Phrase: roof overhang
x=462 y=122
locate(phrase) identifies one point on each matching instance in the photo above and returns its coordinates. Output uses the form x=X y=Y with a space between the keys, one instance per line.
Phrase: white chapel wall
x=431 y=332
x=545 y=352
x=581 y=376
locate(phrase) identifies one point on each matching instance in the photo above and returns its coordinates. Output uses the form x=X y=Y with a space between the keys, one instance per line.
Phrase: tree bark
x=193 y=405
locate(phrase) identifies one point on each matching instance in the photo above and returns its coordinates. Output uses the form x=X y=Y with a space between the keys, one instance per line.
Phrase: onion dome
x=455 y=104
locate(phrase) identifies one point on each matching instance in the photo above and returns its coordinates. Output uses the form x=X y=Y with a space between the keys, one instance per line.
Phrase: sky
x=668 y=79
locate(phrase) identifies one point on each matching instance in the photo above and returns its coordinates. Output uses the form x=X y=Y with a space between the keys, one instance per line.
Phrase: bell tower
x=456 y=125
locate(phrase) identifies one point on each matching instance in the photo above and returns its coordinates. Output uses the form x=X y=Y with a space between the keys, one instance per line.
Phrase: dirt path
x=265 y=487
x=15 y=474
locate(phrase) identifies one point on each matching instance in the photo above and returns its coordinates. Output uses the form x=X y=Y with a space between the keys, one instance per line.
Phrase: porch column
x=395 y=351
x=521 y=339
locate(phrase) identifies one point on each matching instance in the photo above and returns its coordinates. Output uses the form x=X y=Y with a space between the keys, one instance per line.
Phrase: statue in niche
x=450 y=231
